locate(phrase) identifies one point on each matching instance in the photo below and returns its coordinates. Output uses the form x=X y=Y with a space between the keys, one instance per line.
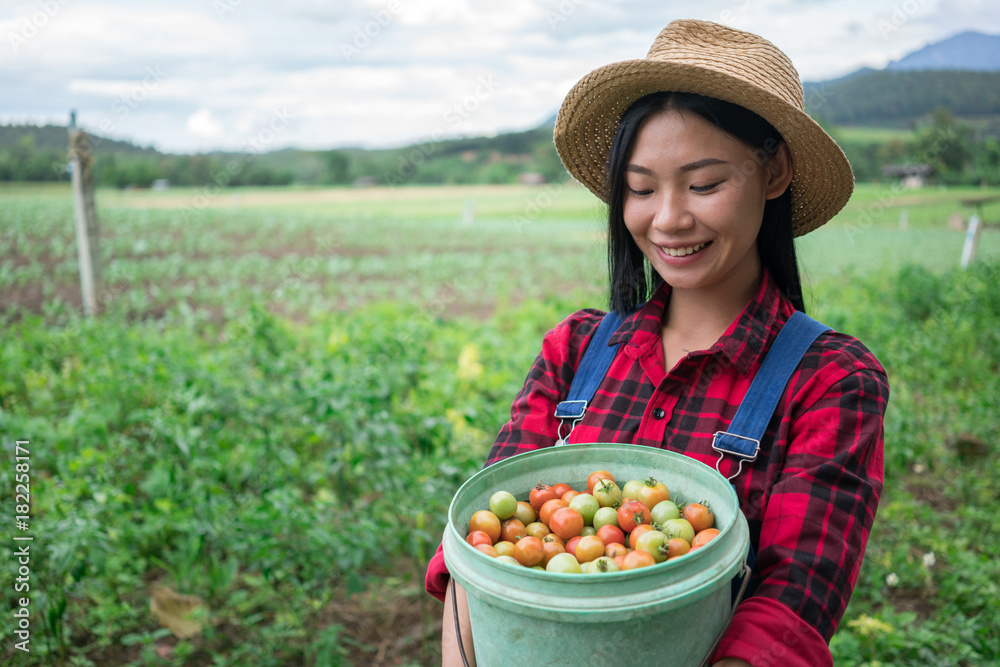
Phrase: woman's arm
x=450 y=654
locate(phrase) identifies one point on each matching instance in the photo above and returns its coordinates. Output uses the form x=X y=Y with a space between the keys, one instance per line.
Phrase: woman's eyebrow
x=698 y=164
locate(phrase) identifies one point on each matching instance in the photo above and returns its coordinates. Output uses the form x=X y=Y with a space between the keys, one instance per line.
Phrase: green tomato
x=510 y=560
x=602 y=565
x=654 y=543
x=587 y=506
x=503 y=504
x=605 y=516
x=607 y=493
x=678 y=528
x=664 y=511
x=588 y=530
x=564 y=563
x=631 y=489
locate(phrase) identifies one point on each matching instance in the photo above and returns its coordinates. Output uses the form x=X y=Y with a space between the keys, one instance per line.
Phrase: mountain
x=967 y=51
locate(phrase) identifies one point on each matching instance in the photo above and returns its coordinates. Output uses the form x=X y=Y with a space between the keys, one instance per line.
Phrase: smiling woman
x=706 y=189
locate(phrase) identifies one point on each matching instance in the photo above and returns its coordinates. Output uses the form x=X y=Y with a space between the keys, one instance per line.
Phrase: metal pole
x=971 y=237
x=79 y=168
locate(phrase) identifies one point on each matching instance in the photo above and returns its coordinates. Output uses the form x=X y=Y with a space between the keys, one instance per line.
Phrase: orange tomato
x=566 y=522
x=704 y=537
x=595 y=477
x=550 y=549
x=631 y=514
x=487 y=549
x=637 y=559
x=487 y=522
x=477 y=537
x=528 y=551
x=699 y=516
x=539 y=494
x=550 y=506
x=614 y=550
x=590 y=547
x=635 y=534
x=677 y=546
x=652 y=492
x=561 y=488
x=609 y=534
x=512 y=530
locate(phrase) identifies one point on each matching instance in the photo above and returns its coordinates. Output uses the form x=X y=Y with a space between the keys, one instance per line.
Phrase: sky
x=202 y=75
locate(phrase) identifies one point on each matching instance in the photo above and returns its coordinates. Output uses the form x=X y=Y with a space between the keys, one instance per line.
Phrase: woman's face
x=694 y=201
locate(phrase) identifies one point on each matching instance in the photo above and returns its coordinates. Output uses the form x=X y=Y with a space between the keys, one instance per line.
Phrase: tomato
x=587 y=505
x=679 y=528
x=677 y=546
x=564 y=563
x=566 y=522
x=512 y=530
x=537 y=529
x=610 y=534
x=550 y=506
x=571 y=544
x=699 y=516
x=550 y=549
x=488 y=550
x=570 y=495
x=487 y=522
x=478 y=537
x=637 y=559
x=561 y=488
x=552 y=537
x=653 y=492
x=631 y=489
x=637 y=533
x=589 y=548
x=664 y=511
x=598 y=475
x=504 y=548
x=619 y=561
x=503 y=504
x=606 y=516
x=525 y=513
x=588 y=530
x=631 y=514
x=703 y=537
x=654 y=543
x=607 y=493
x=603 y=565
x=614 y=550
x=529 y=551
x=539 y=494
x=510 y=560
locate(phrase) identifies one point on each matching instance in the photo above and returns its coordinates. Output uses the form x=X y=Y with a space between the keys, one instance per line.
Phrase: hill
x=972 y=51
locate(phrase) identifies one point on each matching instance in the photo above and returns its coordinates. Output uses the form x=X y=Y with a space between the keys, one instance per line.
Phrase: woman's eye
x=639 y=193
x=706 y=188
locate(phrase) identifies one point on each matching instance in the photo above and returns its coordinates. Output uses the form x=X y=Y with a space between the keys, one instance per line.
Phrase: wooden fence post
x=81 y=162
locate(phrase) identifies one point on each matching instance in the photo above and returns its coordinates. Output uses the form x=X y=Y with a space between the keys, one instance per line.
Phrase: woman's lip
x=673 y=260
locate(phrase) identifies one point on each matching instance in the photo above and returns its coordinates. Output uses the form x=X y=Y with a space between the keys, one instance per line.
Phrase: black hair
x=632 y=279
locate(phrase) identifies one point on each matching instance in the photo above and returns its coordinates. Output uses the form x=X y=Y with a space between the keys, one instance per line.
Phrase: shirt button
x=659 y=413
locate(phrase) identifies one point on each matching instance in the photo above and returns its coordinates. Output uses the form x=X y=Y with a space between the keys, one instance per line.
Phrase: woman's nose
x=672 y=214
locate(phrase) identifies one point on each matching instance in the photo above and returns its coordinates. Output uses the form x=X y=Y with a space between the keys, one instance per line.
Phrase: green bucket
x=543 y=618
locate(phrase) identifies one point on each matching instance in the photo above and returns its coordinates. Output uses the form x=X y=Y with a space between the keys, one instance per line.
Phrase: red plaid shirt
x=810 y=497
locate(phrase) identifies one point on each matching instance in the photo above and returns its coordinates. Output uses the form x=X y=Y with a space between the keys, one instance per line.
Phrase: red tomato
x=571 y=544
x=550 y=549
x=677 y=546
x=637 y=533
x=566 y=522
x=610 y=534
x=614 y=550
x=487 y=522
x=561 y=488
x=550 y=506
x=478 y=537
x=487 y=549
x=570 y=495
x=632 y=514
x=539 y=494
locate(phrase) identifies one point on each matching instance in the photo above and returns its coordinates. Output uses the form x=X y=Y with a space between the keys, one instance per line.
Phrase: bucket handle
x=732 y=613
x=458 y=627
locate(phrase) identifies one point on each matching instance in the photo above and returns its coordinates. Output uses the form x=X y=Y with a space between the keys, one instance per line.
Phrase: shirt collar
x=745 y=341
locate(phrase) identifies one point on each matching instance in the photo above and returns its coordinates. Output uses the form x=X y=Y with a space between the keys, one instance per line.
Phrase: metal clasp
x=737 y=445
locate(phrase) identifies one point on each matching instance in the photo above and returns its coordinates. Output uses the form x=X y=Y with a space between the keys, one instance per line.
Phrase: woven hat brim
x=822 y=180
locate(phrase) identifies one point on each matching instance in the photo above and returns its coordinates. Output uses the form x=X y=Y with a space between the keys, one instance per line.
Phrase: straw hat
x=720 y=62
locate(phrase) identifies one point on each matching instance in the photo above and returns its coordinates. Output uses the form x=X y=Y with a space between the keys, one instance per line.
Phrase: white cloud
x=203 y=124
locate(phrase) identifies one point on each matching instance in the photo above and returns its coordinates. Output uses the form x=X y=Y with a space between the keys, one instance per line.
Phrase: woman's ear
x=779 y=172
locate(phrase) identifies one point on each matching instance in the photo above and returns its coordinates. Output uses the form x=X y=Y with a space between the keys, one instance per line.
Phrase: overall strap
x=589 y=374
x=742 y=440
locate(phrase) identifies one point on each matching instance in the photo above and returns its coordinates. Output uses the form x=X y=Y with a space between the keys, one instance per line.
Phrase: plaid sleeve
x=532 y=422
x=818 y=516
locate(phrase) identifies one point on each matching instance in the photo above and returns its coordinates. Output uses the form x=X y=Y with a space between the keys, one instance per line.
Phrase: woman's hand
x=450 y=654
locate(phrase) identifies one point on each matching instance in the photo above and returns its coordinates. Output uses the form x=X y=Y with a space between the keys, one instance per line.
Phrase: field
x=285 y=387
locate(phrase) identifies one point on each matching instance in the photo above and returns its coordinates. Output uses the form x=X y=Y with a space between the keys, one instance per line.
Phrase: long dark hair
x=632 y=279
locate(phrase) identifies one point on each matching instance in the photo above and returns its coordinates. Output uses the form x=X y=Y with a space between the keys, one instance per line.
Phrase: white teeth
x=681 y=252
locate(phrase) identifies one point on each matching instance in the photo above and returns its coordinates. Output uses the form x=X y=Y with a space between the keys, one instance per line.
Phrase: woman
x=706 y=189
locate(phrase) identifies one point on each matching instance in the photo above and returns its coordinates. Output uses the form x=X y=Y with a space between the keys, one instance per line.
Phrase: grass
x=286 y=386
